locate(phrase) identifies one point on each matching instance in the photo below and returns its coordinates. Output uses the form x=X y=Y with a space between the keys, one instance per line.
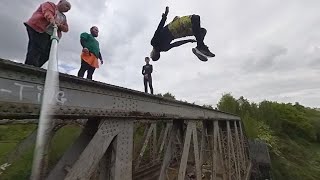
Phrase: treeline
x=292 y=132
x=293 y=120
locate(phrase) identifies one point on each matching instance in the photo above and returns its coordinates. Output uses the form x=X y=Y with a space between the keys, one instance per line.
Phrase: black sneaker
x=198 y=53
x=205 y=50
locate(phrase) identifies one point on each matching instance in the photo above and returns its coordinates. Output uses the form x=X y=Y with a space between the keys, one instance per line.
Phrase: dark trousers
x=145 y=82
x=38 y=47
x=198 y=31
x=86 y=67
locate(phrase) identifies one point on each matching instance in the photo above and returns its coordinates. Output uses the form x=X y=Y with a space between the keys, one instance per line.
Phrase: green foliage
x=61 y=141
x=228 y=104
x=10 y=133
x=5 y=148
x=298 y=159
x=21 y=169
x=250 y=126
x=167 y=95
x=207 y=106
x=291 y=131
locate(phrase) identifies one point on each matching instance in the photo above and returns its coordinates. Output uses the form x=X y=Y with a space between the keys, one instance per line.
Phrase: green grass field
x=20 y=169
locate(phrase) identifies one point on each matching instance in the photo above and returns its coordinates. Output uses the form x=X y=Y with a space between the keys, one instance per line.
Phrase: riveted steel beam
x=21 y=89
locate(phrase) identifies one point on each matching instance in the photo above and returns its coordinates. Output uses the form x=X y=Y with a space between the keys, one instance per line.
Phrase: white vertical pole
x=45 y=123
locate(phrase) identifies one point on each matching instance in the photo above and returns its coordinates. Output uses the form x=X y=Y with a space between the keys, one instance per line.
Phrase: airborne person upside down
x=178 y=28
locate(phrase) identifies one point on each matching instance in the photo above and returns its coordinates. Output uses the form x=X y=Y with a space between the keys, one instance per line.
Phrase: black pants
x=38 y=47
x=86 y=67
x=198 y=31
x=145 y=81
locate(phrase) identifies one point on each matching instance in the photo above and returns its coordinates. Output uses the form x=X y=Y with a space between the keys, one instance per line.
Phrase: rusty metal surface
x=215 y=160
x=80 y=122
x=21 y=89
x=164 y=148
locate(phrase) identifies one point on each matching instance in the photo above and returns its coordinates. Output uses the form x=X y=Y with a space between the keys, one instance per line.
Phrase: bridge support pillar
x=190 y=132
x=121 y=131
x=151 y=131
x=72 y=154
x=169 y=150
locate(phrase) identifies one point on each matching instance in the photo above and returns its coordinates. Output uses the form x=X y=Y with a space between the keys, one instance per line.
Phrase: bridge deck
x=21 y=90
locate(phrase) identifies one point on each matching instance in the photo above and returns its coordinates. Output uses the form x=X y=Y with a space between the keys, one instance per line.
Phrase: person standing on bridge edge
x=40 y=29
x=90 y=52
x=147 y=78
x=178 y=28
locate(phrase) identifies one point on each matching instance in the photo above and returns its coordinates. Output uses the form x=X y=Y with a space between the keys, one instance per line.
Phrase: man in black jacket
x=178 y=28
x=146 y=72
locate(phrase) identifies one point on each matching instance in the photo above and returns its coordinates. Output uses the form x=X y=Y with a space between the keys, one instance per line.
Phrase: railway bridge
x=127 y=134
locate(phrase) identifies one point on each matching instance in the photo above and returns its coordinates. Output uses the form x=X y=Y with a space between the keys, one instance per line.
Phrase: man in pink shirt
x=40 y=29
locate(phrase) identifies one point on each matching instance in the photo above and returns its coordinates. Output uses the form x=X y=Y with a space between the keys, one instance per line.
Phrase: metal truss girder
x=93 y=153
x=72 y=154
x=190 y=132
x=22 y=86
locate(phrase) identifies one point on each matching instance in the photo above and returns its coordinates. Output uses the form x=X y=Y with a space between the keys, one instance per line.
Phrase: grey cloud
x=315 y=63
x=11 y=45
x=260 y=55
x=264 y=58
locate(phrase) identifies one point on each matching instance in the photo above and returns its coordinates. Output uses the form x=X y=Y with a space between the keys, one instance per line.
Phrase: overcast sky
x=265 y=49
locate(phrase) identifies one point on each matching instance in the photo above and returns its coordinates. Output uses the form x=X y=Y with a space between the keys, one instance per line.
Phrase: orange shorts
x=91 y=59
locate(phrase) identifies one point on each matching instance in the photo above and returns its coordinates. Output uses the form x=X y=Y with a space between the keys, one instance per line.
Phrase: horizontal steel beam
x=21 y=89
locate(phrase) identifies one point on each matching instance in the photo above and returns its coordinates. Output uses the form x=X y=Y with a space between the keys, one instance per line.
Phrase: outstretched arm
x=163 y=19
x=179 y=43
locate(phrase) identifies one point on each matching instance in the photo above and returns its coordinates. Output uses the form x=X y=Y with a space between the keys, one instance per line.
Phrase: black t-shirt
x=147 y=69
x=162 y=37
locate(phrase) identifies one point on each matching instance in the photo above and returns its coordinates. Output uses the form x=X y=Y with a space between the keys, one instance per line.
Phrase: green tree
x=169 y=96
x=207 y=106
x=229 y=104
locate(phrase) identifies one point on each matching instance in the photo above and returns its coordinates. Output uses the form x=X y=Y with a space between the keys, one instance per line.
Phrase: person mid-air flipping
x=178 y=28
